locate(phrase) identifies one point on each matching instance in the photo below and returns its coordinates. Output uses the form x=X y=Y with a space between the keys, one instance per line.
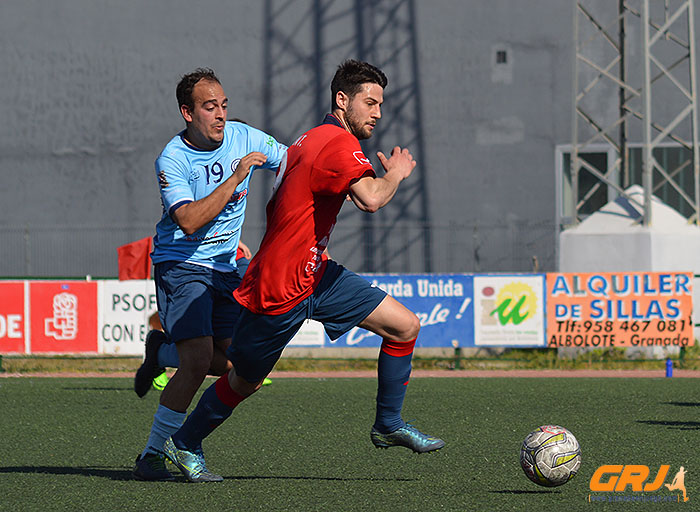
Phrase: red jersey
x=309 y=192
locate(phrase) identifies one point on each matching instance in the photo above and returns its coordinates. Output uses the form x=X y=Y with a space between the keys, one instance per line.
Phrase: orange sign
x=12 y=317
x=63 y=316
x=626 y=309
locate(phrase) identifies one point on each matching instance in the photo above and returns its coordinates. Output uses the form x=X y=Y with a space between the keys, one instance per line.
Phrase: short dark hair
x=187 y=83
x=350 y=76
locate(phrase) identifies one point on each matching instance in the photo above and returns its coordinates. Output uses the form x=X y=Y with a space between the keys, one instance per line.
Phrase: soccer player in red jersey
x=290 y=278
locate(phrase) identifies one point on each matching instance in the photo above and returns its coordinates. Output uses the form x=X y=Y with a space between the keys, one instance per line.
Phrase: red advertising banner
x=626 y=309
x=63 y=316
x=12 y=317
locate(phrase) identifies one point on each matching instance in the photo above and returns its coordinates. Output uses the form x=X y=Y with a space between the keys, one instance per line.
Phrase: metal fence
x=70 y=251
x=65 y=251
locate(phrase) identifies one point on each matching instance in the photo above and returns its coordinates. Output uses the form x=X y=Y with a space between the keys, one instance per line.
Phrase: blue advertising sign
x=442 y=302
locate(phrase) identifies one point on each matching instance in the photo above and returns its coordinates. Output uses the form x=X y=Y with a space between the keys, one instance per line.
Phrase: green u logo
x=513 y=315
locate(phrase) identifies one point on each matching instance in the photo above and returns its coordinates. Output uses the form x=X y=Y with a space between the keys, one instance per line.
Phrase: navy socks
x=393 y=373
x=215 y=405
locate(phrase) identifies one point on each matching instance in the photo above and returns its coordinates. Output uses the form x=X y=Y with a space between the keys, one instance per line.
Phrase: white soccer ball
x=550 y=456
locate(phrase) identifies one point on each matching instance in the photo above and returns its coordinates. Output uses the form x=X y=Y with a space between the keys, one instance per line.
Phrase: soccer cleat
x=191 y=464
x=267 y=382
x=161 y=381
x=408 y=436
x=149 y=369
x=151 y=467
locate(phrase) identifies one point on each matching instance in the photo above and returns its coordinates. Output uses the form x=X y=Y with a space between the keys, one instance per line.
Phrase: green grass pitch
x=303 y=445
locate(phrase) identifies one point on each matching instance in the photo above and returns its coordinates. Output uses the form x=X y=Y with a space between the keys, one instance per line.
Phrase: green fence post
x=681 y=358
x=458 y=355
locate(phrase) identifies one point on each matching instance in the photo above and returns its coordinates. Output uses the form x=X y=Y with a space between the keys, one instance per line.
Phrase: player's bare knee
x=415 y=326
x=410 y=329
x=196 y=364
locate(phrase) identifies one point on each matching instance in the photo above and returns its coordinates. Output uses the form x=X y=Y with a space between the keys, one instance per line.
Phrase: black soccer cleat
x=151 y=468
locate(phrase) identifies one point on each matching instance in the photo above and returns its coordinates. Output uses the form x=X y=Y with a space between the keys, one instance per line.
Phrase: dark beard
x=355 y=127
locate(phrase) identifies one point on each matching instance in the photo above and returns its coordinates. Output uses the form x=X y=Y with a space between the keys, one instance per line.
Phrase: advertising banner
x=626 y=309
x=124 y=312
x=12 y=317
x=311 y=334
x=63 y=316
x=509 y=310
x=442 y=302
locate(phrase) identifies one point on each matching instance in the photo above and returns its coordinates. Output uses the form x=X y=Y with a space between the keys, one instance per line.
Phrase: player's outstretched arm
x=193 y=216
x=369 y=194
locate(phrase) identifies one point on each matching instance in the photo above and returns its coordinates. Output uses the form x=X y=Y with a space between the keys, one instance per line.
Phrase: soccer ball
x=550 y=456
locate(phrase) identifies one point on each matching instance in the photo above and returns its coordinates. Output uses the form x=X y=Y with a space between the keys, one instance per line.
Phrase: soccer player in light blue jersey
x=203 y=174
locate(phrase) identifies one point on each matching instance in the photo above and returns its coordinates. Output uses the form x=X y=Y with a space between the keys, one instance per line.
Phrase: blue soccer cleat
x=191 y=464
x=151 y=467
x=408 y=436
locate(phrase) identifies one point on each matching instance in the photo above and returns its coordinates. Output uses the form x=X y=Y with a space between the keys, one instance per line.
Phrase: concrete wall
x=88 y=97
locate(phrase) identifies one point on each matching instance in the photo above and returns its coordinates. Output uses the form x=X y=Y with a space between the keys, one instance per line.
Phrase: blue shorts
x=340 y=302
x=196 y=301
x=242 y=264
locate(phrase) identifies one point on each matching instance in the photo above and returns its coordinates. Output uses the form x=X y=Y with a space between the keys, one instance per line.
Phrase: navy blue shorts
x=196 y=301
x=242 y=264
x=341 y=301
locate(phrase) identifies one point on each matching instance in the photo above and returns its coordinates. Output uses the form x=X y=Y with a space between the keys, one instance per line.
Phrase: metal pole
x=694 y=115
x=648 y=165
x=624 y=163
x=573 y=161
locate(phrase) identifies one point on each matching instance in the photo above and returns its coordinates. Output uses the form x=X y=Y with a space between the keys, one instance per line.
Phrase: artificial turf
x=303 y=445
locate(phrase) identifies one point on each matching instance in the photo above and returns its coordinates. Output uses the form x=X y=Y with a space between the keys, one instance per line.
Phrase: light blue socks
x=165 y=423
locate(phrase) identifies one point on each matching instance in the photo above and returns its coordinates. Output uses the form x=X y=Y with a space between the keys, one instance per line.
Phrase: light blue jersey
x=186 y=174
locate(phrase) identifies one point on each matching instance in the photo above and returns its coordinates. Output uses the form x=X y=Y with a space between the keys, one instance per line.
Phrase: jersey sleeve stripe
x=177 y=205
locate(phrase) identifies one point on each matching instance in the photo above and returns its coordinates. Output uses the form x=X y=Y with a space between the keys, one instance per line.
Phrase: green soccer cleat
x=149 y=369
x=191 y=464
x=408 y=436
x=267 y=382
x=161 y=381
x=151 y=468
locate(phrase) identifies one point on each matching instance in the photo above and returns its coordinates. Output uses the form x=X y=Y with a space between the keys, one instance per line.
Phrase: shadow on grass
x=124 y=474
x=520 y=491
x=95 y=388
x=682 y=404
x=678 y=425
x=103 y=472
